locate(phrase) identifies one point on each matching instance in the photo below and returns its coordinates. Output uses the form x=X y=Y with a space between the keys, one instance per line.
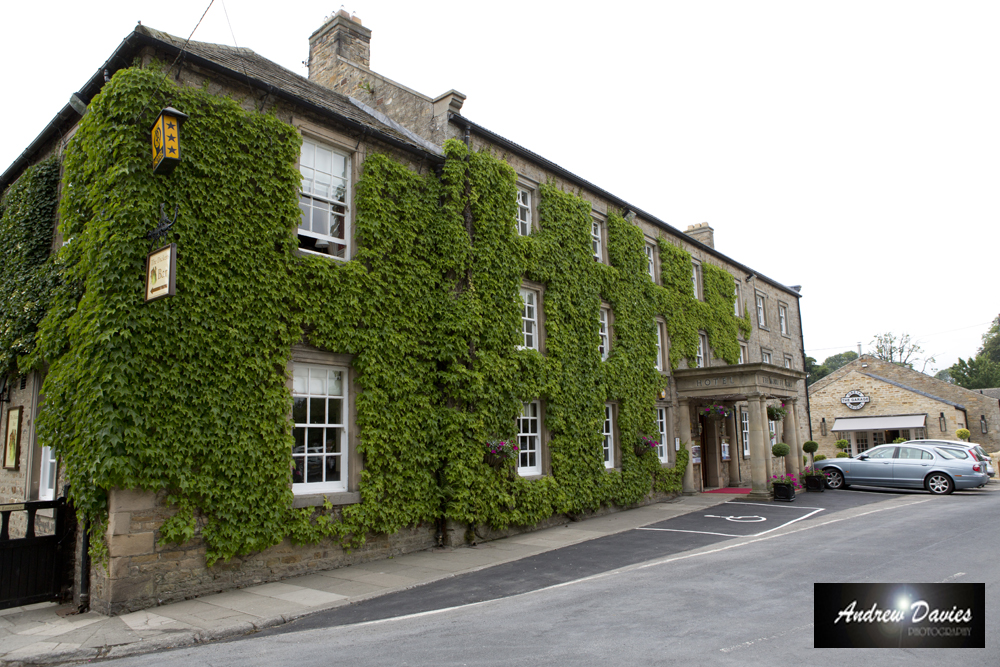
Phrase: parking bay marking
x=743 y=519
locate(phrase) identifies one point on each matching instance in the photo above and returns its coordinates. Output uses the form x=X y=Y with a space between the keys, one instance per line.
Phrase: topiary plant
x=898 y=440
x=843 y=455
x=842 y=444
x=780 y=450
x=819 y=457
x=810 y=447
x=963 y=434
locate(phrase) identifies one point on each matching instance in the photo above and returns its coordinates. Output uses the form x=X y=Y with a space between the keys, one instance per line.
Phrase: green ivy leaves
x=188 y=394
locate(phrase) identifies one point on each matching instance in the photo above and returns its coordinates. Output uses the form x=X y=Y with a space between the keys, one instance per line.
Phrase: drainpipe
x=802 y=344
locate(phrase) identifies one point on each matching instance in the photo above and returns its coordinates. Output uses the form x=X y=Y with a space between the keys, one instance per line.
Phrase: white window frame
x=662 y=452
x=783 y=319
x=761 y=311
x=312 y=200
x=772 y=428
x=745 y=430
x=696 y=279
x=788 y=361
x=529 y=440
x=736 y=301
x=659 y=347
x=304 y=387
x=48 y=474
x=604 y=330
x=744 y=354
x=529 y=319
x=608 y=435
x=523 y=219
x=701 y=361
x=596 y=237
x=765 y=356
x=650 y=262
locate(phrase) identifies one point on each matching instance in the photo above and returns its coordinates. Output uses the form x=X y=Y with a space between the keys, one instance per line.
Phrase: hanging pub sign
x=161 y=268
x=166 y=139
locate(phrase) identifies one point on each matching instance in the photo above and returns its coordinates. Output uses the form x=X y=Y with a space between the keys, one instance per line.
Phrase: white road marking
x=737 y=519
x=764 y=639
x=610 y=573
x=699 y=532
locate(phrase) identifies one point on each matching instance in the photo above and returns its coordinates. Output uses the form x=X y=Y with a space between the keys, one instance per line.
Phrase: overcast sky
x=848 y=147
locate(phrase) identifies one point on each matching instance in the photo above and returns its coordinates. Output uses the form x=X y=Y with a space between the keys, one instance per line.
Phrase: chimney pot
x=703 y=233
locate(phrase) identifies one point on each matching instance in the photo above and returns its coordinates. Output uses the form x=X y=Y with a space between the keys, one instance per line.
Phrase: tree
x=898 y=350
x=816 y=371
x=836 y=361
x=983 y=370
x=945 y=374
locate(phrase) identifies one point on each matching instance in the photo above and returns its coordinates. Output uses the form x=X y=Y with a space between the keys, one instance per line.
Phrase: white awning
x=878 y=423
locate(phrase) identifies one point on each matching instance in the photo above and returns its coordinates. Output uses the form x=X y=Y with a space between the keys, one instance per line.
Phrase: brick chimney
x=702 y=233
x=342 y=35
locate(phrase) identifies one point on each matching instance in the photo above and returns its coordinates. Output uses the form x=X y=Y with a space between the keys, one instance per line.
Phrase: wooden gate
x=34 y=569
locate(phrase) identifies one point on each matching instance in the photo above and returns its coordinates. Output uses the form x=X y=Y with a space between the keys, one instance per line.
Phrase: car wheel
x=939 y=484
x=835 y=479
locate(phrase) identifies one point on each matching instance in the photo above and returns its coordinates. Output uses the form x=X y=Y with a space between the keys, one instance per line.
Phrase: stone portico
x=750 y=384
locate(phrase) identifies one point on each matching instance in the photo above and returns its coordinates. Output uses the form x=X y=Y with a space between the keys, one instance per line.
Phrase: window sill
x=531 y=478
x=788 y=336
x=764 y=328
x=305 y=252
x=317 y=499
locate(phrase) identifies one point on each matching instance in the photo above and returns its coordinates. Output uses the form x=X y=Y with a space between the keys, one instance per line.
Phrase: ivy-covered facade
x=372 y=305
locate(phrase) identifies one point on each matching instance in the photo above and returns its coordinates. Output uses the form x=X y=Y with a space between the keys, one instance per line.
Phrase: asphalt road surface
x=731 y=585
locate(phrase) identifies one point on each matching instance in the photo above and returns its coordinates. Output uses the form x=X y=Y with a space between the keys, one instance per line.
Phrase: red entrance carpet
x=731 y=489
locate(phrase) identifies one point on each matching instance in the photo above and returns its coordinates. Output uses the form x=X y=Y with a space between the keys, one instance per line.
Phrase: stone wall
x=141 y=572
x=895 y=390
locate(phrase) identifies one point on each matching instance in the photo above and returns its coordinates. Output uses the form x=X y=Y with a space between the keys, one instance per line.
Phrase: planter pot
x=784 y=491
x=815 y=483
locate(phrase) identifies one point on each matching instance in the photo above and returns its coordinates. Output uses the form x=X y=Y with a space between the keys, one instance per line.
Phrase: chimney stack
x=341 y=35
x=702 y=233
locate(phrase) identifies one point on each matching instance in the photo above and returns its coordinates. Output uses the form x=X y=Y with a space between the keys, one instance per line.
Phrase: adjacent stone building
x=703 y=392
x=870 y=402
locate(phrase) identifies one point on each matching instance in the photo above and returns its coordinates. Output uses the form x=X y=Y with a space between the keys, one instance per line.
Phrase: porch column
x=758 y=469
x=766 y=431
x=793 y=439
x=685 y=420
x=734 y=450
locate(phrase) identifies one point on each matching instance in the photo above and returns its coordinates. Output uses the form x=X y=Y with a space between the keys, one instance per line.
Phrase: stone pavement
x=47 y=633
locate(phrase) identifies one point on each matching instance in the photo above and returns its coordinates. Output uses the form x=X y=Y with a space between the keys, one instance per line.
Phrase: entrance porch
x=750 y=384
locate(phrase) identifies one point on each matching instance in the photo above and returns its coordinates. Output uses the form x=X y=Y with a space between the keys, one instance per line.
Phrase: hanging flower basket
x=715 y=411
x=775 y=413
x=645 y=445
x=499 y=453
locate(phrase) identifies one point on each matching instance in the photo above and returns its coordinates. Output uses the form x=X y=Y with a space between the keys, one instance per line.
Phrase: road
x=732 y=585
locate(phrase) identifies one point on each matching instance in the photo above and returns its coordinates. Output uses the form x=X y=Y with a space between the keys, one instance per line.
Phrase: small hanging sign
x=167 y=140
x=161 y=269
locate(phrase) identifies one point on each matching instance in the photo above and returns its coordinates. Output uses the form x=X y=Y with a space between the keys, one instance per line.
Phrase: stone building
x=870 y=402
x=712 y=385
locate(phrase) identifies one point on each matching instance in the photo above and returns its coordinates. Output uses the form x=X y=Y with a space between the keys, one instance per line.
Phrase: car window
x=912 y=453
x=881 y=453
x=951 y=453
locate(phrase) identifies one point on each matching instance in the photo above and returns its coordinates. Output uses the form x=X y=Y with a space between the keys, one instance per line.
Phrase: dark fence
x=34 y=568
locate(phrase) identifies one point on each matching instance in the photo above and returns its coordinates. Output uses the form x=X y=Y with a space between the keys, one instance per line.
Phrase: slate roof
x=912 y=389
x=240 y=64
x=246 y=64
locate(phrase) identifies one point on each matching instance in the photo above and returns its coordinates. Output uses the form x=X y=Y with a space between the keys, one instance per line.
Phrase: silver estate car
x=922 y=464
